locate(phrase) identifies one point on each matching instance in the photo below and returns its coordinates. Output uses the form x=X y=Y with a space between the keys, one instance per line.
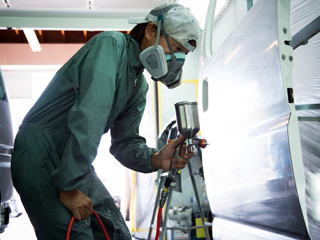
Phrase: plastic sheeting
x=306 y=86
x=144 y=198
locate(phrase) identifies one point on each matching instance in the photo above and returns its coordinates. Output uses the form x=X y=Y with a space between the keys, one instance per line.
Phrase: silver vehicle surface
x=256 y=184
x=6 y=145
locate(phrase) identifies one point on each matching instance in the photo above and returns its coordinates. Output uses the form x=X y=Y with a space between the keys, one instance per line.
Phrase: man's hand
x=164 y=158
x=78 y=203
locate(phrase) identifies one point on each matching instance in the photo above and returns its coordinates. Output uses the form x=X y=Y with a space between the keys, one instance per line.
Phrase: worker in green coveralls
x=100 y=88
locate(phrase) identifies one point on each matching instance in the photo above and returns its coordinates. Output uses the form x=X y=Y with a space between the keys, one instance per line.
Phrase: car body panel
x=252 y=175
x=6 y=146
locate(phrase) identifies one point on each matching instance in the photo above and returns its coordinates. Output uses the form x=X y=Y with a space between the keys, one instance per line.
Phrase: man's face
x=151 y=36
x=176 y=47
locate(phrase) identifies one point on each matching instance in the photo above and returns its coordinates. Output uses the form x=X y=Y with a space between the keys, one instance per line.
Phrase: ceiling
x=79 y=4
x=75 y=21
x=73 y=14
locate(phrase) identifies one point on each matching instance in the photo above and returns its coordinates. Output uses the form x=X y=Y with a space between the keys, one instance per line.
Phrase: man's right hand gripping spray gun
x=188 y=126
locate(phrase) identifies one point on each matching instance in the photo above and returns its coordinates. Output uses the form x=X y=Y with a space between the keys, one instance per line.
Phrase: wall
x=51 y=54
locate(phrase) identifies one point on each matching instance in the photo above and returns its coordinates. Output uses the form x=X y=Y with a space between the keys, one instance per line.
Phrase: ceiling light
x=32 y=39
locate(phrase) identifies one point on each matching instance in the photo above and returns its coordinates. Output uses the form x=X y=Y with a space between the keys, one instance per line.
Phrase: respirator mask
x=166 y=68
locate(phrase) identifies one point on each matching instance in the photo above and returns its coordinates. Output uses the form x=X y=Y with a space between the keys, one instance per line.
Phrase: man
x=100 y=88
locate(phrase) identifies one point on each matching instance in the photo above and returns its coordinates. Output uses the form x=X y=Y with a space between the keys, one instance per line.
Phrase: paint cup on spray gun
x=188 y=121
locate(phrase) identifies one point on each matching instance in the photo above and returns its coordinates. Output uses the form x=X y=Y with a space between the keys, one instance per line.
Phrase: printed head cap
x=178 y=23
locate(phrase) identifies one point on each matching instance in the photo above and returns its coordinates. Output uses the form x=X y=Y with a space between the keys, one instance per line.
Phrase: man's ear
x=151 y=31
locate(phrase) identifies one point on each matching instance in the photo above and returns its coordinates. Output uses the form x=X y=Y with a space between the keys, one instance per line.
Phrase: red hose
x=158 y=224
x=100 y=223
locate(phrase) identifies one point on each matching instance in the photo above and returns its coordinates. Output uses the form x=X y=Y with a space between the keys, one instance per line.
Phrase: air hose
x=158 y=224
x=170 y=181
x=100 y=223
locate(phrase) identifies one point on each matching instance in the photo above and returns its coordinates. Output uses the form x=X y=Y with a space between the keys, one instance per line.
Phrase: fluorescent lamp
x=32 y=39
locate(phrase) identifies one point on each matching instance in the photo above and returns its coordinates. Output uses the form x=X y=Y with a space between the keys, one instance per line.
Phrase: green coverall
x=100 y=88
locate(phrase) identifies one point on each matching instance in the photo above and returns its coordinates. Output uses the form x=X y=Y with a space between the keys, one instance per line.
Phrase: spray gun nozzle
x=203 y=143
x=200 y=142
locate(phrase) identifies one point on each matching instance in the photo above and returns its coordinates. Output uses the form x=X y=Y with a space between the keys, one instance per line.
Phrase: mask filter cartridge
x=154 y=60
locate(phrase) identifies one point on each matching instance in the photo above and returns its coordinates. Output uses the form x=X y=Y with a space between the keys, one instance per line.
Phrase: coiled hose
x=100 y=223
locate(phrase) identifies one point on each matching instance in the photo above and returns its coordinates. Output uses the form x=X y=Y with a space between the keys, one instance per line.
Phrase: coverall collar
x=134 y=51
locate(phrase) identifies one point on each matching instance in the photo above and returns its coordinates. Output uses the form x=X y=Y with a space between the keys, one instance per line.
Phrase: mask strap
x=164 y=10
x=161 y=28
x=158 y=30
x=160 y=13
x=168 y=43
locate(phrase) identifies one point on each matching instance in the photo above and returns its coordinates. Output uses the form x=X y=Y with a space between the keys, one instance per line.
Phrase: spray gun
x=188 y=126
